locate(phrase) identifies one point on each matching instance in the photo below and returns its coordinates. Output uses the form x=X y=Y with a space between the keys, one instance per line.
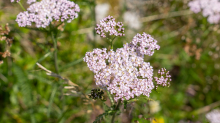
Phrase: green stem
x=21 y=6
x=55 y=52
x=111 y=40
x=110 y=97
x=51 y=99
x=116 y=109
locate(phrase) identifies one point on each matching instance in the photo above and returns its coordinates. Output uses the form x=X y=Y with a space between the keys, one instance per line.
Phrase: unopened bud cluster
x=209 y=8
x=96 y=94
x=108 y=26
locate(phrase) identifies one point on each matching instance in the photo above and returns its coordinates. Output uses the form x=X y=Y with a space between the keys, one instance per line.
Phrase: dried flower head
x=4 y=31
x=209 y=8
x=96 y=94
x=3 y=37
x=108 y=26
x=44 y=12
x=1 y=62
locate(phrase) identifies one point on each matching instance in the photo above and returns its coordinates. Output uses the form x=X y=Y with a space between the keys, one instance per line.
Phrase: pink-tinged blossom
x=44 y=12
x=144 y=44
x=123 y=72
x=108 y=26
x=164 y=78
x=209 y=8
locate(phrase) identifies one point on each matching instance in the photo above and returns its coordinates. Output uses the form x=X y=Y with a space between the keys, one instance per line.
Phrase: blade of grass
x=72 y=64
x=51 y=99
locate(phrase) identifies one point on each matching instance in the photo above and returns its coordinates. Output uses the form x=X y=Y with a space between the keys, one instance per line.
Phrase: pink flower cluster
x=164 y=79
x=145 y=44
x=209 y=8
x=109 y=26
x=124 y=72
x=44 y=12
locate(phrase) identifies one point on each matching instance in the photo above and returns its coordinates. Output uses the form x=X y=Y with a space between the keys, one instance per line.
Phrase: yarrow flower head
x=44 y=12
x=164 y=78
x=109 y=26
x=209 y=8
x=123 y=72
x=144 y=44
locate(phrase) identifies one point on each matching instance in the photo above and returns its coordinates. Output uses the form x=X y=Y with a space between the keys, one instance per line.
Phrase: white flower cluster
x=44 y=12
x=123 y=72
x=213 y=116
x=209 y=8
x=164 y=79
x=108 y=25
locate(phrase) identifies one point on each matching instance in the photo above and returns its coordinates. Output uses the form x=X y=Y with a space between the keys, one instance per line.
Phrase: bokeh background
x=190 y=50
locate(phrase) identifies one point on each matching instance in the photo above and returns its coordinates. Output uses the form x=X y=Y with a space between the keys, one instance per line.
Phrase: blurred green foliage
x=189 y=50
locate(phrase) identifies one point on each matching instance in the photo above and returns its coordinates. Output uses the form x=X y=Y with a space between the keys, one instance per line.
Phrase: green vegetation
x=189 y=49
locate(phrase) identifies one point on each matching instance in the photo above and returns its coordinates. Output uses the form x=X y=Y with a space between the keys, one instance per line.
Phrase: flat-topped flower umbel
x=209 y=8
x=44 y=12
x=123 y=72
x=108 y=26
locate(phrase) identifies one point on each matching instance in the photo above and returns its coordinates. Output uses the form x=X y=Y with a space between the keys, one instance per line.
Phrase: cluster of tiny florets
x=110 y=27
x=123 y=72
x=96 y=59
x=164 y=78
x=44 y=12
x=209 y=8
x=145 y=44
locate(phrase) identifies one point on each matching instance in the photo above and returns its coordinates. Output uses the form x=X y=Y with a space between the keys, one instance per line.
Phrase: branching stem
x=116 y=109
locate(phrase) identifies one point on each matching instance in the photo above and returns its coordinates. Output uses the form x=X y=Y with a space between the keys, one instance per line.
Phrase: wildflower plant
x=123 y=73
x=44 y=12
x=48 y=17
